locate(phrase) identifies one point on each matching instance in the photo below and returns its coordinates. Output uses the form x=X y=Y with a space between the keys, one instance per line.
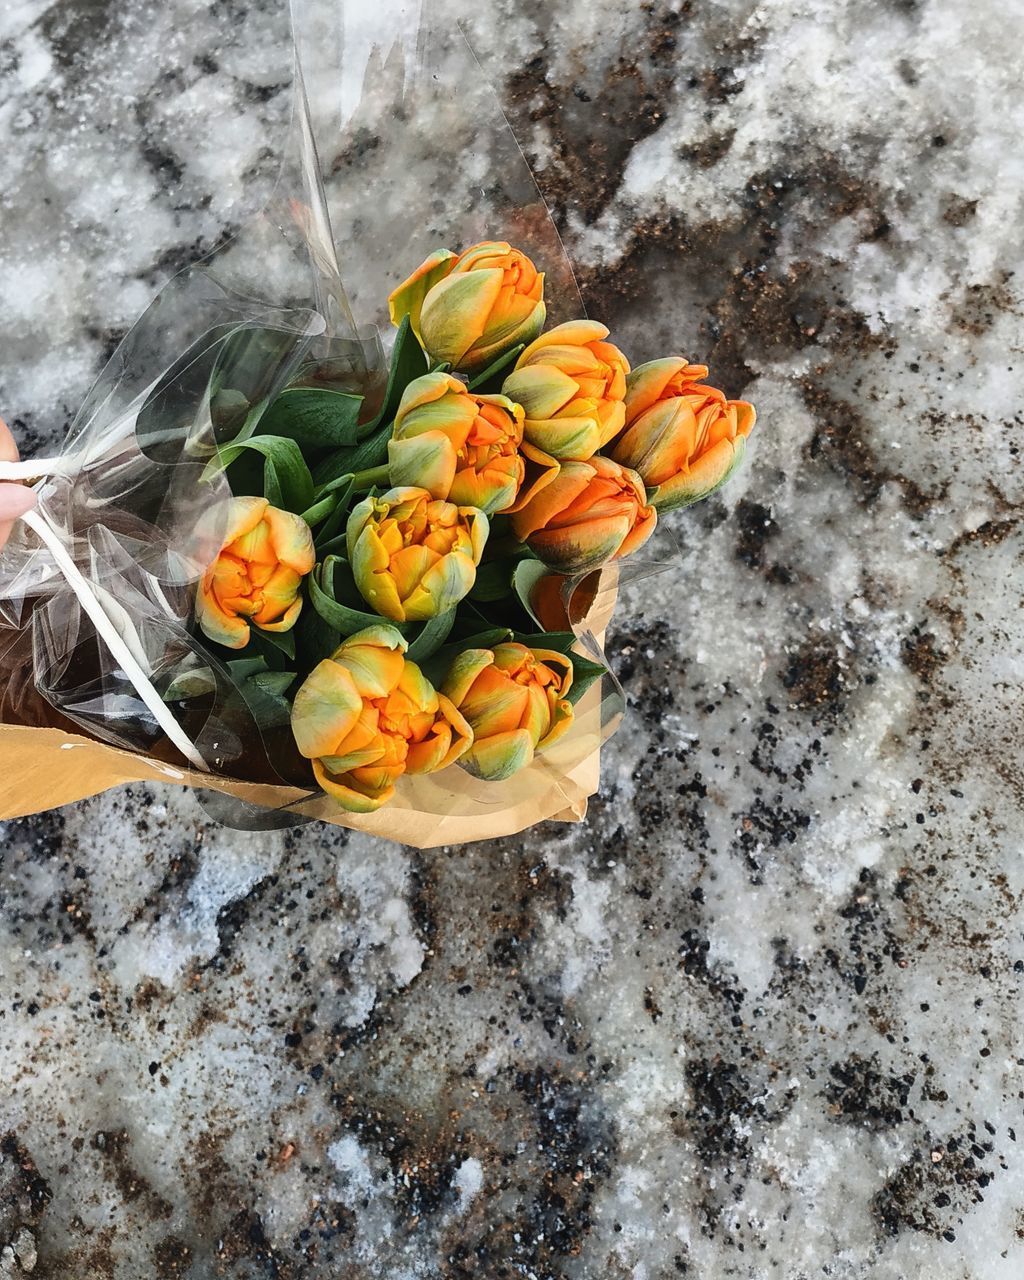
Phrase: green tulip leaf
x=481 y=640
x=273 y=489
x=371 y=452
x=264 y=696
x=557 y=641
x=495 y=371
x=273 y=682
x=199 y=682
x=287 y=481
x=339 y=491
x=407 y=362
x=243 y=668
x=342 y=617
x=340 y=487
x=493 y=580
x=315 y=639
x=321 y=417
x=274 y=646
x=584 y=673
x=320 y=511
x=431 y=637
x=329 y=546
x=370 y=449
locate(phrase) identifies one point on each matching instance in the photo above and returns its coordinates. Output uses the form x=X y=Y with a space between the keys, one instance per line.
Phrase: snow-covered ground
x=760 y=1016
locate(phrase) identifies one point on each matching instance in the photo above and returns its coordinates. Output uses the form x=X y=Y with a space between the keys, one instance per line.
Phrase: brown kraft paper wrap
x=43 y=767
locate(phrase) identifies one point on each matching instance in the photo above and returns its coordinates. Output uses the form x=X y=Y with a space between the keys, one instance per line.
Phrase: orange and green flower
x=468 y=309
x=571 y=383
x=366 y=715
x=257 y=575
x=683 y=438
x=463 y=447
x=590 y=513
x=514 y=700
x=414 y=556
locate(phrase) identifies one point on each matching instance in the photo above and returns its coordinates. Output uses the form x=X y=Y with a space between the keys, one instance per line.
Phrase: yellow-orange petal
x=278 y=594
x=217 y=625
x=569 y=439
x=326 y=707
x=344 y=789
x=445 y=583
x=562 y=718
x=455 y=312
x=430 y=459
x=573 y=333
x=539 y=471
x=464 y=669
x=370 y=568
x=292 y=540
x=374 y=658
x=498 y=709
x=746 y=416
x=407 y=298
x=550 y=500
x=580 y=547
x=427 y=390
x=640 y=532
x=284 y=623
x=243 y=515
x=711 y=470
x=499 y=757
x=647 y=384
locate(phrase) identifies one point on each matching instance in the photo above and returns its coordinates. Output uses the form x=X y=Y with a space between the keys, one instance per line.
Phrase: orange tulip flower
x=590 y=513
x=682 y=437
x=257 y=575
x=463 y=447
x=514 y=700
x=571 y=383
x=414 y=556
x=366 y=715
x=468 y=309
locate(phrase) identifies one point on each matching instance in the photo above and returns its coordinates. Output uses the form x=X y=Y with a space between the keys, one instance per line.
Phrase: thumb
x=15 y=500
x=8 y=449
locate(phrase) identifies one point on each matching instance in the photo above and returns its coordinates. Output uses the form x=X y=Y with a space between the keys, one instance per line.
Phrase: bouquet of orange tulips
x=312 y=578
x=390 y=575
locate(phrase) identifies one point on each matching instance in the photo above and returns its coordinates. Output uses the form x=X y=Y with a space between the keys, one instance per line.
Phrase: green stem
x=371 y=478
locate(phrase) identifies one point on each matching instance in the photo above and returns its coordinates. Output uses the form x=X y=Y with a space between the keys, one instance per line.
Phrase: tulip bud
x=414 y=556
x=366 y=715
x=469 y=309
x=257 y=574
x=571 y=384
x=683 y=438
x=463 y=447
x=514 y=700
x=590 y=513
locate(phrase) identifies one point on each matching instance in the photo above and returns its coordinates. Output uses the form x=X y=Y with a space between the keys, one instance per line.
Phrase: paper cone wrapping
x=43 y=768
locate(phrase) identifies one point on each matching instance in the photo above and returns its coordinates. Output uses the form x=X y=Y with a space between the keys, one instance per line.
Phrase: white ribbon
x=106 y=629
